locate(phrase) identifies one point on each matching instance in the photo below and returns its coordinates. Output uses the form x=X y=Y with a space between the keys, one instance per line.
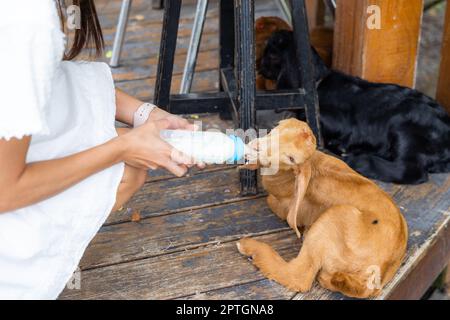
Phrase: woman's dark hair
x=89 y=35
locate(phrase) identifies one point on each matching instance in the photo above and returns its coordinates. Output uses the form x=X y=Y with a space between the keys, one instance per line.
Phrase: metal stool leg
x=194 y=45
x=306 y=67
x=283 y=6
x=245 y=79
x=331 y=5
x=167 y=48
x=120 y=33
x=226 y=45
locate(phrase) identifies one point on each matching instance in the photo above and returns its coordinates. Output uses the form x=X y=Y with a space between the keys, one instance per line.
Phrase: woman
x=63 y=166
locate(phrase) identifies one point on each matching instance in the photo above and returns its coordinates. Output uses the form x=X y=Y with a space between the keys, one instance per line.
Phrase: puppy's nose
x=250 y=154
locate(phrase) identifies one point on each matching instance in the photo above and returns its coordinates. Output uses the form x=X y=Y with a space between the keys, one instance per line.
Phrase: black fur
x=384 y=131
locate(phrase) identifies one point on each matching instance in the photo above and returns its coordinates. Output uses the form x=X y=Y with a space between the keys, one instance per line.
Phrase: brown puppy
x=321 y=39
x=356 y=236
x=264 y=27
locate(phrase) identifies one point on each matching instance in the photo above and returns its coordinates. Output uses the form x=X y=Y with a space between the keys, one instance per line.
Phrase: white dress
x=67 y=107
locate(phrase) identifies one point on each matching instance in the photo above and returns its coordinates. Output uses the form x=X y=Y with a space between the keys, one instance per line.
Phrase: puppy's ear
x=303 y=176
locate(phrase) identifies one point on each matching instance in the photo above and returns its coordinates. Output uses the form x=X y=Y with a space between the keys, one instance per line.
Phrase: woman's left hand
x=127 y=105
x=176 y=122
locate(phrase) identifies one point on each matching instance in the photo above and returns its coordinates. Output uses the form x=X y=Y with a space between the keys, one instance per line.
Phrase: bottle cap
x=239 y=148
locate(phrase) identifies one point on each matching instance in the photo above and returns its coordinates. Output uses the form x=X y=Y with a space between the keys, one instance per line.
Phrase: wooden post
x=443 y=91
x=316 y=13
x=386 y=54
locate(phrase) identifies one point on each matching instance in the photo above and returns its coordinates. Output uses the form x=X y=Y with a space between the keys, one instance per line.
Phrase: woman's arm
x=127 y=105
x=24 y=184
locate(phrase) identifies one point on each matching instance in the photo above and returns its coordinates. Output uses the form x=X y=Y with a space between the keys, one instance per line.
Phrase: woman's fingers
x=176 y=169
x=153 y=166
x=149 y=150
x=201 y=165
x=181 y=158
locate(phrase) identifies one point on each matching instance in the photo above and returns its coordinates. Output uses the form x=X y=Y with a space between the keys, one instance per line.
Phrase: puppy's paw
x=247 y=247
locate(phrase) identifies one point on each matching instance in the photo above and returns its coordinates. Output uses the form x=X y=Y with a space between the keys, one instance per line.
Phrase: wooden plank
x=182 y=194
x=160 y=277
x=177 y=232
x=131 y=241
x=204 y=81
x=427 y=210
x=161 y=174
x=149 y=49
x=150 y=31
x=179 y=274
x=255 y=290
x=387 y=54
x=146 y=68
x=443 y=90
x=424 y=272
x=447 y=278
x=144 y=13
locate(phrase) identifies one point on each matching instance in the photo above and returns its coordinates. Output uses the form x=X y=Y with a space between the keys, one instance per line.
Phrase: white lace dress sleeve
x=30 y=55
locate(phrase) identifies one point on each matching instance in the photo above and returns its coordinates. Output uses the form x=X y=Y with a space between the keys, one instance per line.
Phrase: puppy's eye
x=291 y=159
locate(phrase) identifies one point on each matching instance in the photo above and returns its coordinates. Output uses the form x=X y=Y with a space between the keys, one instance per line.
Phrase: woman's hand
x=176 y=122
x=143 y=148
x=127 y=106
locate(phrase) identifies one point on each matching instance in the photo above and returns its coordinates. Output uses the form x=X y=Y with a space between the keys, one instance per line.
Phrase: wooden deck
x=184 y=245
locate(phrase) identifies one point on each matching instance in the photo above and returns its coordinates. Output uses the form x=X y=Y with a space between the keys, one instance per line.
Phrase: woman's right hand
x=144 y=148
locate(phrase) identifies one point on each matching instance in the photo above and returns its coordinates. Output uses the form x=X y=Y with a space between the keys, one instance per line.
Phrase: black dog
x=384 y=131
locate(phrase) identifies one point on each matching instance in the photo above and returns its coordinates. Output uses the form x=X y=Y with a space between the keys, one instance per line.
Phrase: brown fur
x=354 y=229
x=321 y=39
x=264 y=27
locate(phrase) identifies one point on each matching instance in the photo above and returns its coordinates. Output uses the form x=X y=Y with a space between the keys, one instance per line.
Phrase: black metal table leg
x=158 y=4
x=245 y=79
x=306 y=66
x=238 y=92
x=167 y=48
x=226 y=44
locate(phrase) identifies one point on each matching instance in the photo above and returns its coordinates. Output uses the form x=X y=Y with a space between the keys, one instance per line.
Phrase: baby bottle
x=206 y=147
